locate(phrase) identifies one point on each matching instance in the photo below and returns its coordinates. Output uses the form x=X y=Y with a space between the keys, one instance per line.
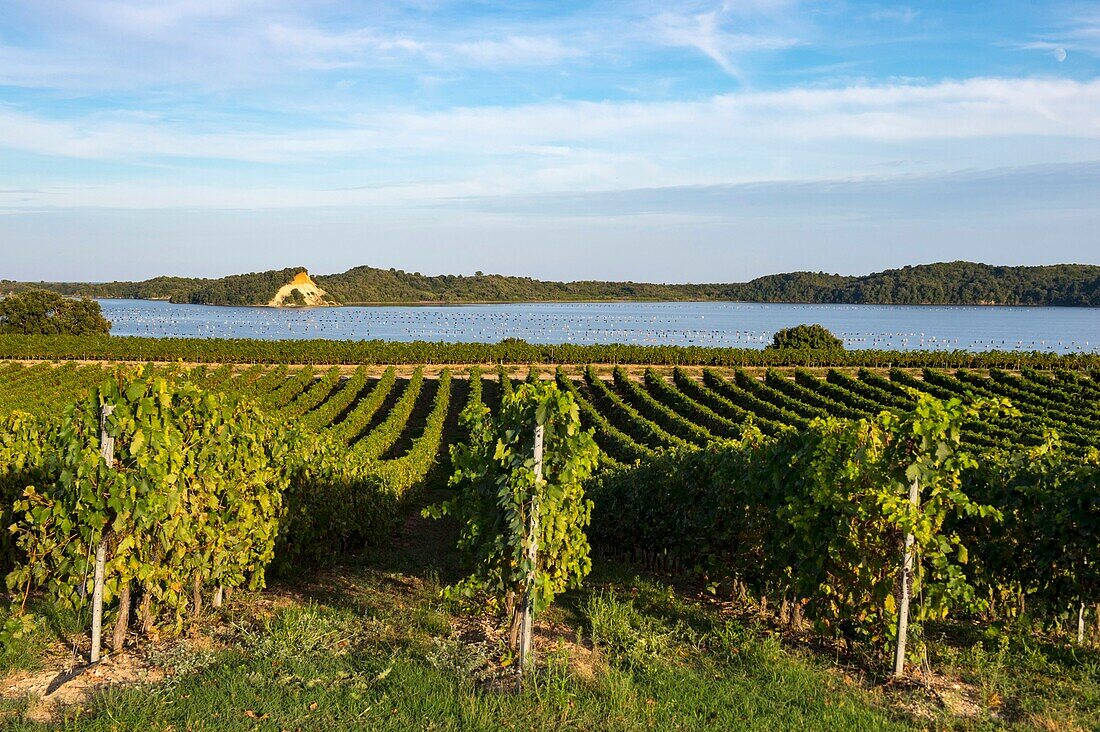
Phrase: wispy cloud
x=564 y=146
x=348 y=49
x=1080 y=33
x=950 y=194
x=896 y=14
x=714 y=33
x=968 y=109
x=517 y=49
x=310 y=40
x=155 y=18
x=245 y=43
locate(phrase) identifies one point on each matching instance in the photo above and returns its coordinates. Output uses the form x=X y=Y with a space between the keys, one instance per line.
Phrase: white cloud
x=566 y=146
x=310 y=40
x=526 y=50
x=1066 y=187
x=214 y=45
x=968 y=109
x=1080 y=33
x=708 y=32
x=327 y=49
x=153 y=18
x=312 y=48
x=899 y=14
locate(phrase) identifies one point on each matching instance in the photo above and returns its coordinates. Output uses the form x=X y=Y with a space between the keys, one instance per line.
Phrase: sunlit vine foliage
x=194 y=498
x=817 y=515
x=494 y=471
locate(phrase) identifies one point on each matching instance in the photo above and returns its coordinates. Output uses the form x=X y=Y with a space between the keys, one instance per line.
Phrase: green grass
x=26 y=640
x=385 y=656
x=372 y=646
x=1026 y=680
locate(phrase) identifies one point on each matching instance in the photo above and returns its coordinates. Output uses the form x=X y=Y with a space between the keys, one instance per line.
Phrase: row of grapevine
x=823 y=404
x=331 y=409
x=1030 y=427
x=838 y=393
x=693 y=411
x=288 y=390
x=260 y=387
x=647 y=405
x=402 y=473
x=704 y=395
x=355 y=422
x=749 y=401
x=191 y=503
x=329 y=352
x=383 y=437
x=47 y=389
x=633 y=419
x=317 y=392
x=1080 y=416
x=874 y=393
x=617 y=446
x=766 y=391
x=215 y=378
x=626 y=417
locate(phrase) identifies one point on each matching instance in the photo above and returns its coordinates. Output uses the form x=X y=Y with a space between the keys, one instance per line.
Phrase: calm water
x=1064 y=330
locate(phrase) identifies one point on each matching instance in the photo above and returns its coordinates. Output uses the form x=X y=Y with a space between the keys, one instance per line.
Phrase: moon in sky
x=1060 y=54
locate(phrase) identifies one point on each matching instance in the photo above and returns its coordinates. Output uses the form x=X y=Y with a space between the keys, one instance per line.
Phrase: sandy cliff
x=302 y=291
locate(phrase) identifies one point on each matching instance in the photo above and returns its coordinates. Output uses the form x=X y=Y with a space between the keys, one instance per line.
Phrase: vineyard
x=383 y=417
x=782 y=483
x=402 y=426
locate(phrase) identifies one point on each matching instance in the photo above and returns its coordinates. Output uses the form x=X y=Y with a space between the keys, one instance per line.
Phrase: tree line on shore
x=947 y=283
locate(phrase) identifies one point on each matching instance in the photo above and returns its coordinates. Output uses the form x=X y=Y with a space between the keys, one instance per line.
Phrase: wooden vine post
x=107 y=450
x=526 y=653
x=906 y=588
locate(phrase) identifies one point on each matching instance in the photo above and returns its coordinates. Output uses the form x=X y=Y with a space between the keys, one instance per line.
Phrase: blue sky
x=662 y=141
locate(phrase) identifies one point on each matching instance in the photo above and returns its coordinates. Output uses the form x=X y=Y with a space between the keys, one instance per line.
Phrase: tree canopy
x=947 y=283
x=814 y=337
x=40 y=312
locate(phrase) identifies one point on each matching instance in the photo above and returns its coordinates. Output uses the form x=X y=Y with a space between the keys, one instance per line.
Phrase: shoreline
x=462 y=303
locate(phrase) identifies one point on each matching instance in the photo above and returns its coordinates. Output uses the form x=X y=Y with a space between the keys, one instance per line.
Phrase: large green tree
x=39 y=312
x=816 y=337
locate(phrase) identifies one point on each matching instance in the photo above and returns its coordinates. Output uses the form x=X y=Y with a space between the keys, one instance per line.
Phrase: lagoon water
x=730 y=324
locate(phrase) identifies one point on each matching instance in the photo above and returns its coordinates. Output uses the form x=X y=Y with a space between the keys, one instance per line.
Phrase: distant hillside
x=954 y=283
x=948 y=283
x=254 y=288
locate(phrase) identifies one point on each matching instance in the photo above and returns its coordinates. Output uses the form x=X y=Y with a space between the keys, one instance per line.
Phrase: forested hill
x=255 y=288
x=954 y=283
x=948 y=283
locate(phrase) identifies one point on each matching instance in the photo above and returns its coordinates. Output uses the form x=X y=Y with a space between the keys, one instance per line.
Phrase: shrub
x=39 y=312
x=812 y=337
